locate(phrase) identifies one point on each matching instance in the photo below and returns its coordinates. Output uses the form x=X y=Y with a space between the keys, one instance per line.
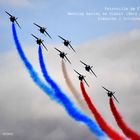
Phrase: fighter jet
x=13 y=19
x=81 y=77
x=43 y=30
x=110 y=94
x=88 y=68
x=66 y=43
x=63 y=55
x=39 y=41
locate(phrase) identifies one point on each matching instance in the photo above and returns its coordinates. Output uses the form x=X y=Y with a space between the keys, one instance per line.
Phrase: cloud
x=115 y=59
x=28 y=113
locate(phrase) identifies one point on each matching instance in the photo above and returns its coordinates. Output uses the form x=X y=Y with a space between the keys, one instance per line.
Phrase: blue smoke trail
x=32 y=72
x=67 y=104
x=69 y=108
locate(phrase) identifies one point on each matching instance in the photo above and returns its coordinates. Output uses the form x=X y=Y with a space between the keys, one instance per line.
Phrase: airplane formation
x=63 y=55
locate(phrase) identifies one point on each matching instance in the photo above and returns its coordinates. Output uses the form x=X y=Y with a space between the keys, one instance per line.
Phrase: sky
x=112 y=47
x=55 y=16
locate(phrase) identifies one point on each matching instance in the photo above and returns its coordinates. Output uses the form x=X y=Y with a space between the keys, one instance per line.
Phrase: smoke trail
x=125 y=129
x=67 y=104
x=71 y=87
x=71 y=109
x=104 y=126
x=29 y=67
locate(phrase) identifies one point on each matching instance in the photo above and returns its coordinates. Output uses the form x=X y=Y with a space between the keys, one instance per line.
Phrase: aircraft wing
x=67 y=59
x=93 y=72
x=115 y=98
x=34 y=36
x=48 y=34
x=37 y=25
x=44 y=46
x=77 y=72
x=17 y=23
x=62 y=38
x=71 y=47
x=105 y=89
x=86 y=82
x=8 y=13
x=83 y=63
x=58 y=50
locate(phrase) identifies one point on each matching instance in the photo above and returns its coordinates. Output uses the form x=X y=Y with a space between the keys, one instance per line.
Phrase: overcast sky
x=112 y=47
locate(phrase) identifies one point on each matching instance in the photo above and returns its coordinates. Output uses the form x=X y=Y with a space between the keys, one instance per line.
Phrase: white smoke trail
x=73 y=90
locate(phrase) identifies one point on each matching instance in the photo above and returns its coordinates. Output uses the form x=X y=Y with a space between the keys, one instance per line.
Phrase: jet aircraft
x=43 y=30
x=67 y=43
x=39 y=41
x=63 y=55
x=110 y=94
x=81 y=77
x=13 y=19
x=88 y=68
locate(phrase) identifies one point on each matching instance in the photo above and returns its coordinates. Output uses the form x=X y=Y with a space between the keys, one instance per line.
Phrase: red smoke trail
x=125 y=129
x=104 y=126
